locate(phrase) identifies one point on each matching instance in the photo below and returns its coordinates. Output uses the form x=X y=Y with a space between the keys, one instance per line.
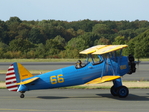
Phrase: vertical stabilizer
x=23 y=72
x=15 y=74
x=11 y=79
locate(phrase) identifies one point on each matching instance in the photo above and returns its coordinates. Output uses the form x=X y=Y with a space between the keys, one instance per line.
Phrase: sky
x=75 y=10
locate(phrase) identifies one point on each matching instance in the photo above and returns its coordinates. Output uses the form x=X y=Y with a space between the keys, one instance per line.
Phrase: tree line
x=63 y=39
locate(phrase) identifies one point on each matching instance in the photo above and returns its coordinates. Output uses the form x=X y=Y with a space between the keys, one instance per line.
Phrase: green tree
x=80 y=32
x=89 y=38
x=77 y=43
x=3 y=32
x=119 y=40
x=52 y=47
x=86 y=25
x=102 y=41
x=14 y=19
x=70 y=53
x=20 y=44
x=140 y=45
x=101 y=29
x=3 y=48
x=40 y=51
x=130 y=48
x=35 y=36
x=128 y=33
x=23 y=31
x=61 y=41
x=13 y=23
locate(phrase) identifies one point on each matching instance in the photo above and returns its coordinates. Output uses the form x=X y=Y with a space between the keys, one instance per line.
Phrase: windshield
x=94 y=59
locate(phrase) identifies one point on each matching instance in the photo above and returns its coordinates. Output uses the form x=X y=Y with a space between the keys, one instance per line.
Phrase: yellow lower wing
x=103 y=79
x=27 y=81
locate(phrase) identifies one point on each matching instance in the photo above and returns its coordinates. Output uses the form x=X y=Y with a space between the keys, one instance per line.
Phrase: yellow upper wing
x=102 y=49
x=92 y=49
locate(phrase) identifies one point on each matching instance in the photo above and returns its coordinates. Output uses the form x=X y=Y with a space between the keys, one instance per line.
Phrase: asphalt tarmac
x=74 y=100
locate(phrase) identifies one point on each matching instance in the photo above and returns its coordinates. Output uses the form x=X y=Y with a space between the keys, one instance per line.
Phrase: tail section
x=15 y=74
x=11 y=79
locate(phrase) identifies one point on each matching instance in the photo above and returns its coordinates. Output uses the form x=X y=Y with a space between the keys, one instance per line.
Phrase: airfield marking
x=21 y=109
x=53 y=110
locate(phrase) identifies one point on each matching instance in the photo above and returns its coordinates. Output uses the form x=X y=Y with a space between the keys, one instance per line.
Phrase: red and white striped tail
x=11 y=79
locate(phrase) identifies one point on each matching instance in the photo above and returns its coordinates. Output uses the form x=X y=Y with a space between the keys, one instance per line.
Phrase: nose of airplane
x=132 y=64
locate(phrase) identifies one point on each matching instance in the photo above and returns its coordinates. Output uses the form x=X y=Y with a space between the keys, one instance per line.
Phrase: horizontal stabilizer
x=103 y=79
x=27 y=81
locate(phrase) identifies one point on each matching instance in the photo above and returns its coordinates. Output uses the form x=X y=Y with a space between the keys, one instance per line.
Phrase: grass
x=50 y=60
x=101 y=87
x=144 y=59
x=31 y=71
x=86 y=87
x=2 y=87
x=38 y=60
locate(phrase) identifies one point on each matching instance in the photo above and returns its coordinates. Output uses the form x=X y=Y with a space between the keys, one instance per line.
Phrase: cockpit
x=94 y=59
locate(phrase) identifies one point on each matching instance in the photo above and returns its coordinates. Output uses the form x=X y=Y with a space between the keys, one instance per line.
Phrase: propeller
x=138 y=62
x=132 y=64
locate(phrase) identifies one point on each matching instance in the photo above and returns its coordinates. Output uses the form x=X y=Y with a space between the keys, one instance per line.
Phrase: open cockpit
x=96 y=59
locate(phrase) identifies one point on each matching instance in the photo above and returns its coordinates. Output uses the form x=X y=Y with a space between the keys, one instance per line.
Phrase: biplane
x=104 y=63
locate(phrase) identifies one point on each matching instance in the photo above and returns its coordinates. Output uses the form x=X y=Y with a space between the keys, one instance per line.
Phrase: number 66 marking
x=57 y=79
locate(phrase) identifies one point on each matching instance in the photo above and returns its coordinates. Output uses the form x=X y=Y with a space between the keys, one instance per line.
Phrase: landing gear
x=22 y=94
x=113 y=91
x=121 y=91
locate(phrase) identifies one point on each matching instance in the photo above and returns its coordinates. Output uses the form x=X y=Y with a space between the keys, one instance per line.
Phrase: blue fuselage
x=71 y=75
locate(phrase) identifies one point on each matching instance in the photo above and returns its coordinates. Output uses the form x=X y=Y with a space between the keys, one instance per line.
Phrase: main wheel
x=22 y=95
x=113 y=91
x=122 y=91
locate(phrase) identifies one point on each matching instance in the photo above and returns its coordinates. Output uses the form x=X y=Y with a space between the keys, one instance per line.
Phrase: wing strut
x=105 y=76
x=108 y=63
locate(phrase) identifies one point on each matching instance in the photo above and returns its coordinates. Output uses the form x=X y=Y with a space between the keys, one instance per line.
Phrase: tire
x=122 y=91
x=22 y=95
x=113 y=91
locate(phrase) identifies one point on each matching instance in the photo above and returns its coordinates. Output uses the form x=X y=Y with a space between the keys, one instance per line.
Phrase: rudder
x=15 y=74
x=11 y=79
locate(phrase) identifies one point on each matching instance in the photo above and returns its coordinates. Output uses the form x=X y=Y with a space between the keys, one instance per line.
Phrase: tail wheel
x=22 y=95
x=113 y=91
x=122 y=91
